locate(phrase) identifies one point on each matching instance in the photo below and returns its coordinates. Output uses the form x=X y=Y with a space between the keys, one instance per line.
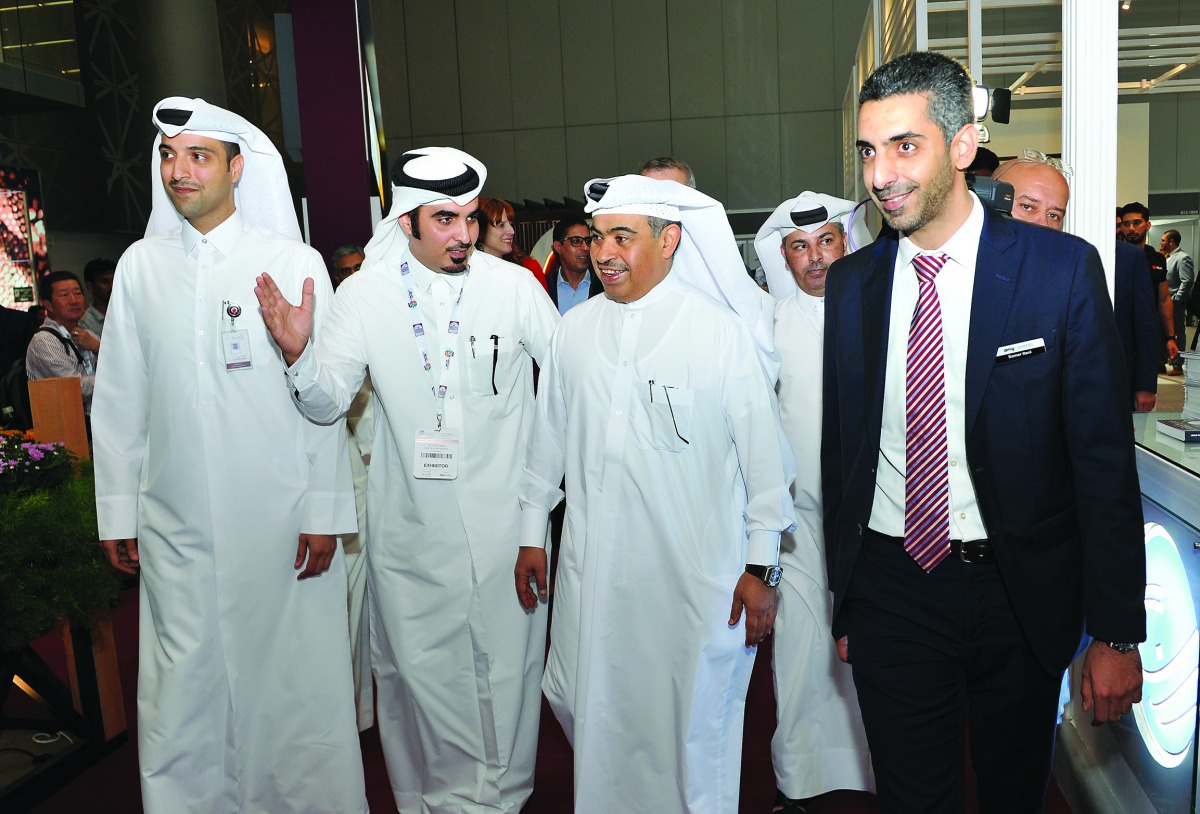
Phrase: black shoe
x=786 y=805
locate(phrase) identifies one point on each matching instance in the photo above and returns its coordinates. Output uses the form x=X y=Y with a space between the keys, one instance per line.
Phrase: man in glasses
x=1135 y=217
x=573 y=281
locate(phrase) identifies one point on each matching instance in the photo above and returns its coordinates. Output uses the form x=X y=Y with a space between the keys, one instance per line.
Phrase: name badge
x=1030 y=347
x=237 y=349
x=435 y=454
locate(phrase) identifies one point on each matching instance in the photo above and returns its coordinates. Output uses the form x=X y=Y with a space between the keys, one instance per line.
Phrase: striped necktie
x=926 y=483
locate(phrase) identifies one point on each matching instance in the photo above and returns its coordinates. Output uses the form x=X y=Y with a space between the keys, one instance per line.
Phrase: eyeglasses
x=576 y=241
x=1037 y=156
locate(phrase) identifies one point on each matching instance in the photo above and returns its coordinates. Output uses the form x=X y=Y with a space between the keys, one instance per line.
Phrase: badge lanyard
x=451 y=340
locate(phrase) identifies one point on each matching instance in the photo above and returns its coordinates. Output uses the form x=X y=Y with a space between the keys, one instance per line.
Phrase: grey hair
x=670 y=162
x=658 y=224
x=941 y=80
x=342 y=251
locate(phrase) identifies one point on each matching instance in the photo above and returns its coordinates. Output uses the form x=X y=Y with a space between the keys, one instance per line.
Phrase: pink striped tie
x=926 y=485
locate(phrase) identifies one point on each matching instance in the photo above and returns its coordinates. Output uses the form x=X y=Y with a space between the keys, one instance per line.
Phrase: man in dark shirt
x=1135 y=218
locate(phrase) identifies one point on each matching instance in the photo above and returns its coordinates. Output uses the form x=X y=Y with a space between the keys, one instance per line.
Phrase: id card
x=237 y=349
x=435 y=454
x=1030 y=347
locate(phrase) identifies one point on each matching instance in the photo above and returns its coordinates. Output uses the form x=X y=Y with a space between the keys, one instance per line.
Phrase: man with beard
x=819 y=744
x=211 y=485
x=449 y=336
x=981 y=496
x=1135 y=220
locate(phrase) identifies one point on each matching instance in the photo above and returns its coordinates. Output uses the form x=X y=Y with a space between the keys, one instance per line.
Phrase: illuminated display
x=1166 y=717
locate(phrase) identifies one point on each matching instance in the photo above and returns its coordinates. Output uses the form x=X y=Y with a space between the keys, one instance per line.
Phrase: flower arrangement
x=51 y=566
x=26 y=465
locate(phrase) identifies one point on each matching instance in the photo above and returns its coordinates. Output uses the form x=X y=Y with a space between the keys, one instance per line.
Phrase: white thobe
x=819 y=743
x=360 y=422
x=664 y=423
x=244 y=690
x=455 y=657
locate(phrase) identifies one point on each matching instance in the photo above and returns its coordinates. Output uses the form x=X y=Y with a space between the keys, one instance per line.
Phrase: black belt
x=977 y=552
x=973 y=551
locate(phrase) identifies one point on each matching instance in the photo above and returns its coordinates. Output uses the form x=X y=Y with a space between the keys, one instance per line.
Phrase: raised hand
x=290 y=325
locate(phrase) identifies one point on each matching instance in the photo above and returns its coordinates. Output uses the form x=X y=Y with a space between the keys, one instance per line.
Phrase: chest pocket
x=662 y=419
x=490 y=364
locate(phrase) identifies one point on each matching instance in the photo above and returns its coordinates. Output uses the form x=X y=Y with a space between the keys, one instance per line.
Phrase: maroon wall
x=337 y=176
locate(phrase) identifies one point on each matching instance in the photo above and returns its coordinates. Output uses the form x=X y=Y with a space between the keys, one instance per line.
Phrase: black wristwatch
x=770 y=574
x=1123 y=647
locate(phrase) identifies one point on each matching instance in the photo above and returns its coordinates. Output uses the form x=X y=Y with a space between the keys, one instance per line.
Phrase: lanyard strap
x=440 y=386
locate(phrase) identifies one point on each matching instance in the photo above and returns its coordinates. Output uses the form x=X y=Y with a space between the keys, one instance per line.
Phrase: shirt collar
x=563 y=282
x=56 y=326
x=671 y=283
x=962 y=246
x=222 y=238
x=424 y=277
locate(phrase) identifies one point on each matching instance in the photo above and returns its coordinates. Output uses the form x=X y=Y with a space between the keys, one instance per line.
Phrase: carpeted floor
x=111 y=786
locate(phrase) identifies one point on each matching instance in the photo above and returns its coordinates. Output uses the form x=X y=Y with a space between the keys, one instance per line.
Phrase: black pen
x=495 y=361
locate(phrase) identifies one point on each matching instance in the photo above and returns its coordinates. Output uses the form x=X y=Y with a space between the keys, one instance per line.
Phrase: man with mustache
x=573 y=281
x=450 y=337
x=225 y=498
x=1041 y=195
x=819 y=744
x=655 y=404
x=980 y=492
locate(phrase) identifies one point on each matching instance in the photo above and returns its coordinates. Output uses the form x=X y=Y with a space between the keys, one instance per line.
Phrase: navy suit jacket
x=1049 y=436
x=1136 y=312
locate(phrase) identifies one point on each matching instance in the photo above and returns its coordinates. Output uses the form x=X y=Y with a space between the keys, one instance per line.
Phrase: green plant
x=51 y=566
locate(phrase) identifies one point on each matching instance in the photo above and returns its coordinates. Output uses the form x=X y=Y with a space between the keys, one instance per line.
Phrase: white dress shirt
x=955 y=284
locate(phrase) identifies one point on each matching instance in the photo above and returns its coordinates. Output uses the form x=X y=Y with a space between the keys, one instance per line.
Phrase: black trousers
x=936 y=655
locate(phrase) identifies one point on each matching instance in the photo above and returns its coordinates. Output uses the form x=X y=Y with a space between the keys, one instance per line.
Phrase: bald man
x=1040 y=192
x=1040 y=195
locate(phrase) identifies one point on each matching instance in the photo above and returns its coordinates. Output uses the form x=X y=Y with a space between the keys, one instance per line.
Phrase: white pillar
x=1089 y=122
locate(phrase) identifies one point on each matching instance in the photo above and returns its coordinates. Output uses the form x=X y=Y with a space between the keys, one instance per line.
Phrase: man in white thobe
x=208 y=479
x=819 y=743
x=656 y=405
x=449 y=336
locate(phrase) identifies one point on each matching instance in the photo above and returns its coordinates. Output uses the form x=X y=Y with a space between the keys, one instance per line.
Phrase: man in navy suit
x=1041 y=195
x=965 y=558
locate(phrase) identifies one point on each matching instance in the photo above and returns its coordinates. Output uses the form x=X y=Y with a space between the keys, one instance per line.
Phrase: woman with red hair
x=496 y=236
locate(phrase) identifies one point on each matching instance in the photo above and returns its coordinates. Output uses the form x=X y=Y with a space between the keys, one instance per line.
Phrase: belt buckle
x=962 y=552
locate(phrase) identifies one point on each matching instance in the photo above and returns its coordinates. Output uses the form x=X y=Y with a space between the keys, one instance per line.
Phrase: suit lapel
x=996 y=272
x=876 y=314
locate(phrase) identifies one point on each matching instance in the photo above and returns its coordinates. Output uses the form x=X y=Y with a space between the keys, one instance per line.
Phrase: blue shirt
x=568 y=297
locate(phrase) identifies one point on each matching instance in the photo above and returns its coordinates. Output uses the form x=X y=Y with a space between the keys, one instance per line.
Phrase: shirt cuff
x=763 y=548
x=534 y=521
x=117 y=517
x=324 y=512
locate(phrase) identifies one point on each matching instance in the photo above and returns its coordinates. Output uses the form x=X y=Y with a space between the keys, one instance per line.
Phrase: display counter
x=1147 y=761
